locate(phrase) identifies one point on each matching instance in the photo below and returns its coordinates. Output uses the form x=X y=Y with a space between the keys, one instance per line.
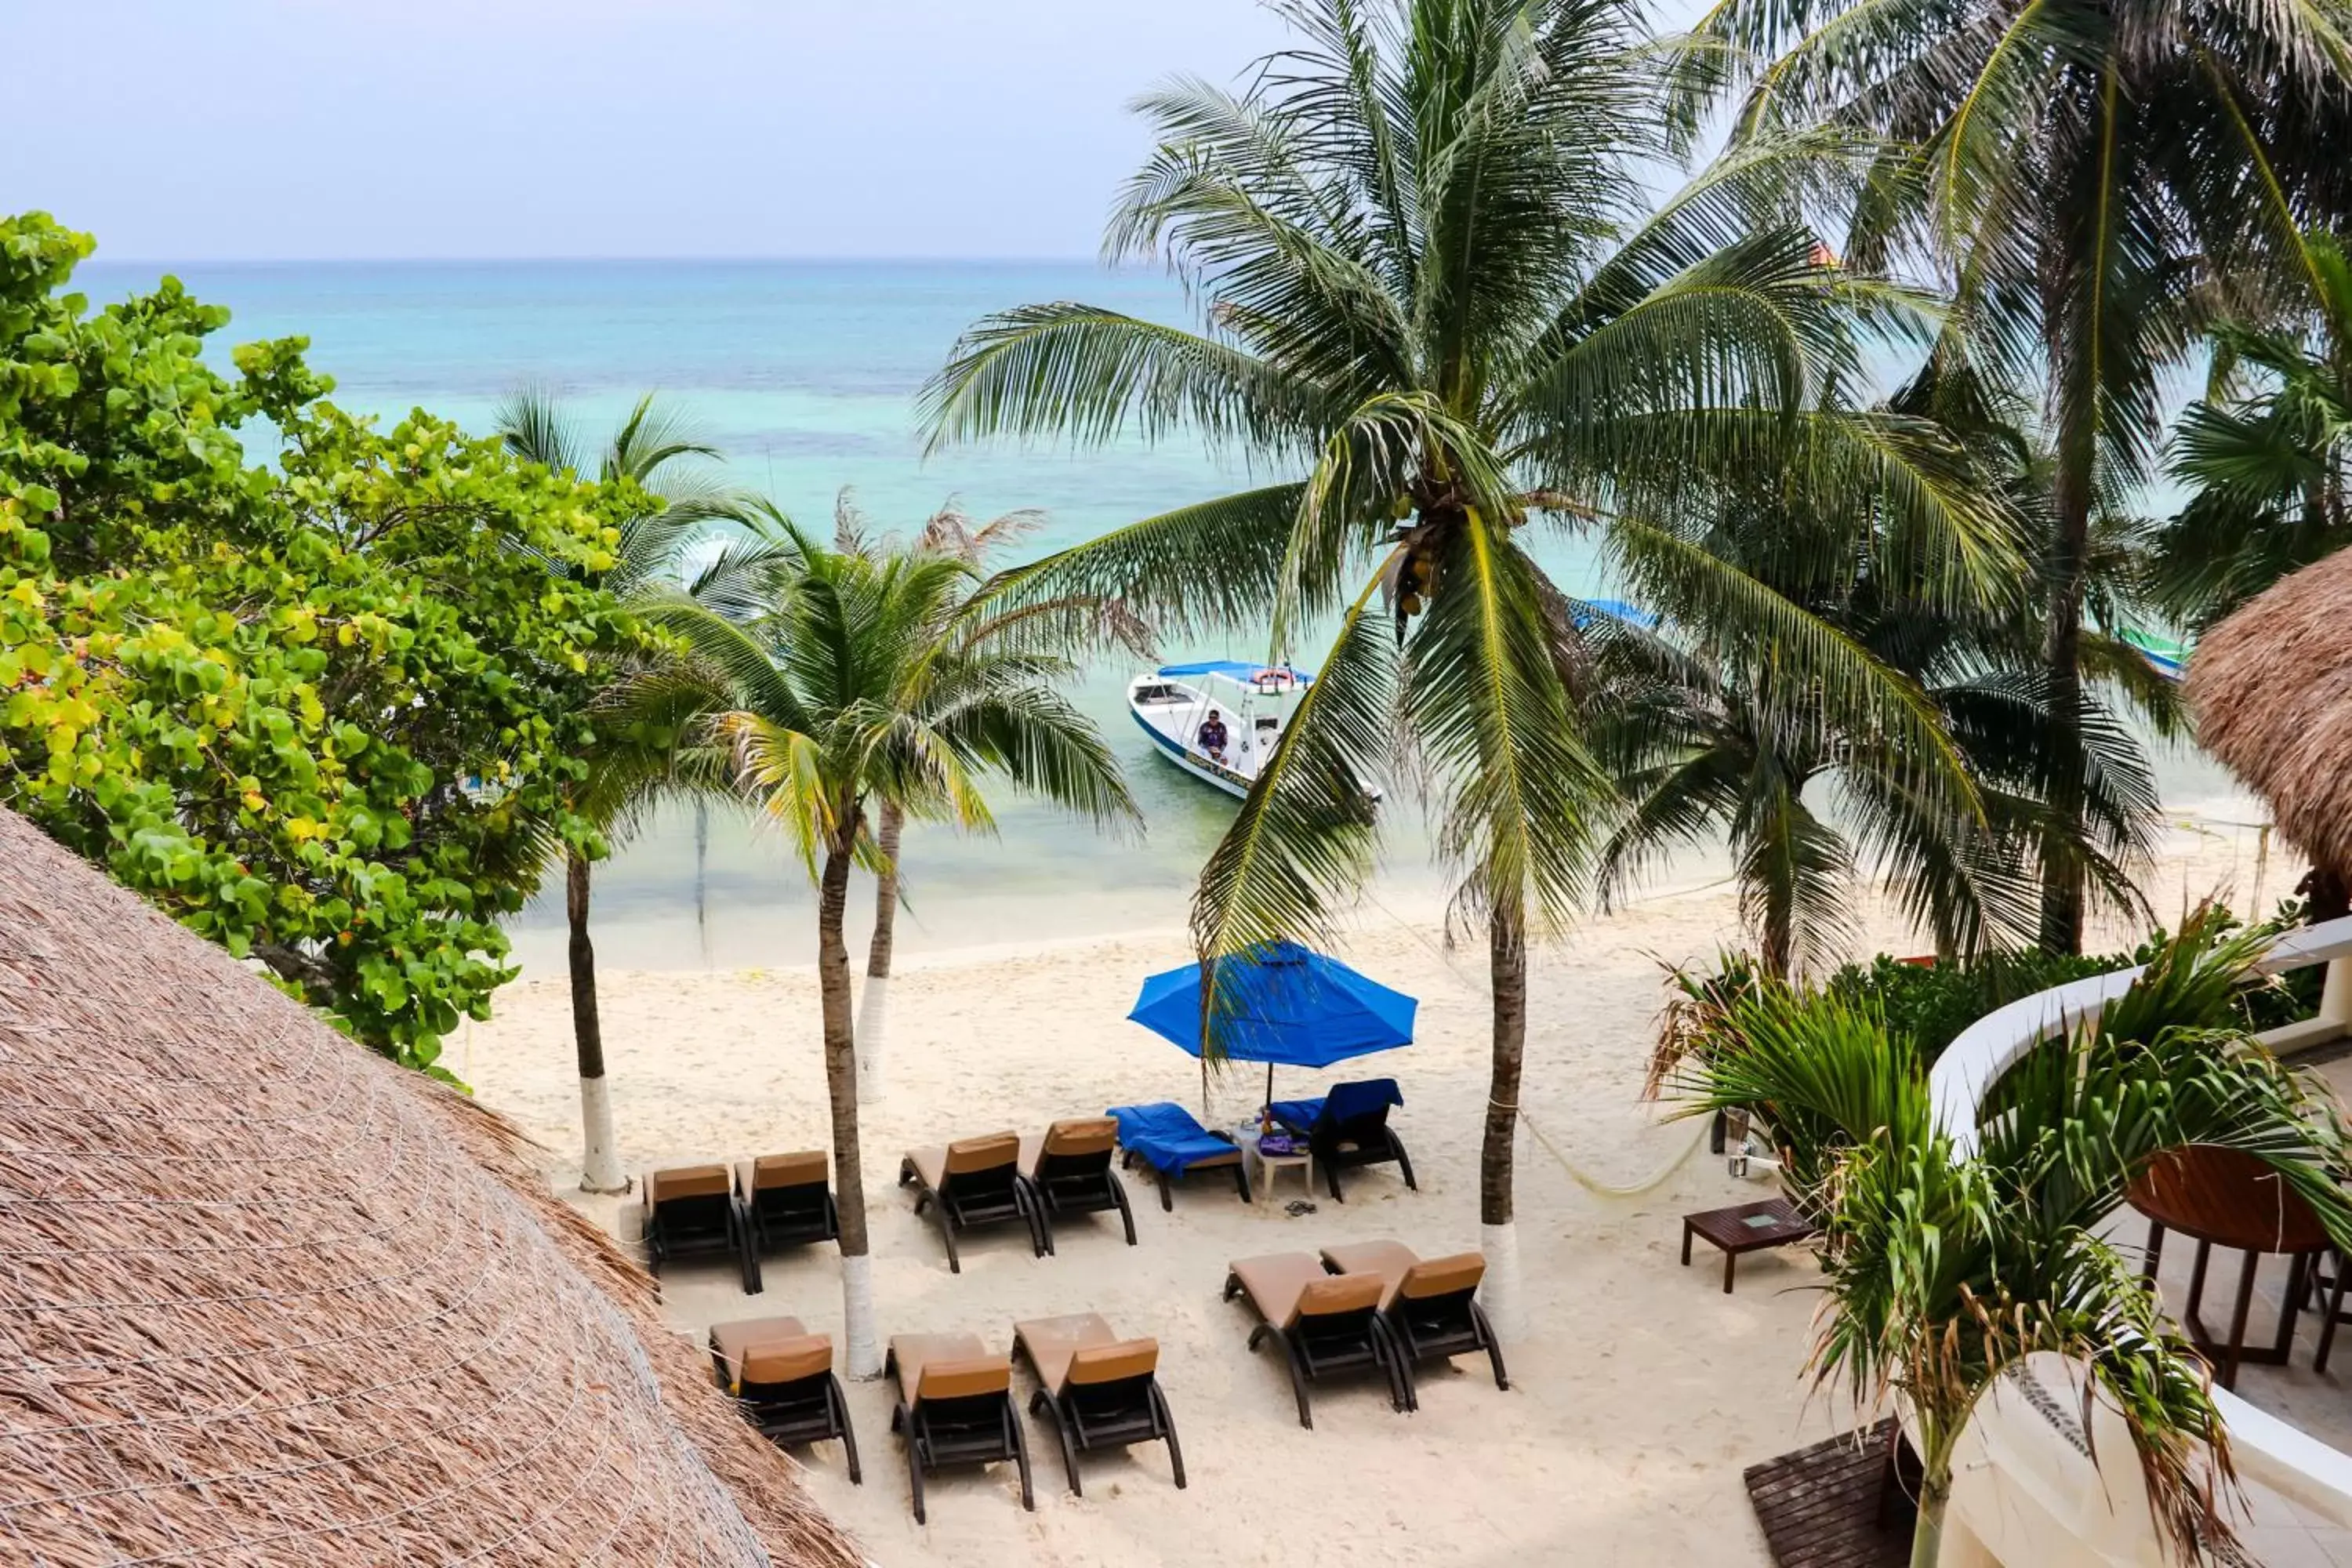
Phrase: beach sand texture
x=1638 y=1390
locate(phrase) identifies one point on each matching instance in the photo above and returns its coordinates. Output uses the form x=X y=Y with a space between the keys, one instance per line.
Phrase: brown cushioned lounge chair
x=788 y=1200
x=1069 y=1172
x=955 y=1407
x=975 y=1182
x=692 y=1210
x=1098 y=1390
x=1323 y=1323
x=781 y=1377
x=1431 y=1307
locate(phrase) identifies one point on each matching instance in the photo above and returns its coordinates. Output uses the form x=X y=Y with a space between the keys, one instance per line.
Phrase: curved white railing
x=2281 y=1457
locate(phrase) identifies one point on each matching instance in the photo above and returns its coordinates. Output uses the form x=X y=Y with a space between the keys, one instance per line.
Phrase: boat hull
x=1199 y=766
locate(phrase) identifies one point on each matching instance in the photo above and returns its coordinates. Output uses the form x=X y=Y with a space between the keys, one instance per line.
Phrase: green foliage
x=1950 y=1253
x=325 y=713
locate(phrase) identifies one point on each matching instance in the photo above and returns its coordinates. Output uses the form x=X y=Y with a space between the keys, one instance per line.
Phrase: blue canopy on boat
x=1234 y=669
x=1619 y=610
x=1286 y=1003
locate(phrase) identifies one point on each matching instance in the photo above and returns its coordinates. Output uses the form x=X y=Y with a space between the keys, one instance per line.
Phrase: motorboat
x=1252 y=701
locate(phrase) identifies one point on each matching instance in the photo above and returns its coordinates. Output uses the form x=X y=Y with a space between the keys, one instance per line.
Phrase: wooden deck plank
x=1820 y=1507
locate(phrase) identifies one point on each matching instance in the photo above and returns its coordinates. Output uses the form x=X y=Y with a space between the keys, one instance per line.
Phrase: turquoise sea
x=805 y=375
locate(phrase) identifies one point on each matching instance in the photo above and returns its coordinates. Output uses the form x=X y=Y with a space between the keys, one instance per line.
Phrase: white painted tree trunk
x=873 y=1028
x=862 y=1354
x=600 y=1158
x=1499 y=1291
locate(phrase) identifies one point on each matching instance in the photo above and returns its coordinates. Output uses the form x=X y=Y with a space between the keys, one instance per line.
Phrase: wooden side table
x=1744 y=1228
x=2221 y=1197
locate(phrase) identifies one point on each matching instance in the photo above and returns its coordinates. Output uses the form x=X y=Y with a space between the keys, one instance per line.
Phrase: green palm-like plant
x=1949 y=1259
x=838 y=697
x=1430 y=295
x=654 y=451
x=2267 y=455
x=1070 y=624
x=2097 y=180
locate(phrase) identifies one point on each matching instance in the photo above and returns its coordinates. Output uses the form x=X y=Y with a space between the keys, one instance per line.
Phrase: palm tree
x=2267 y=455
x=1704 y=737
x=2097 y=180
x=655 y=452
x=1947 y=1262
x=840 y=696
x=1067 y=625
x=1429 y=295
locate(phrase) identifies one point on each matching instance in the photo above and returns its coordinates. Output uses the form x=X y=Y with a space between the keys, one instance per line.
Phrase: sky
x=300 y=130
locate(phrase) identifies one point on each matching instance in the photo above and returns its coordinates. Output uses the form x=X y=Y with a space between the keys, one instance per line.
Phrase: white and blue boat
x=1253 y=700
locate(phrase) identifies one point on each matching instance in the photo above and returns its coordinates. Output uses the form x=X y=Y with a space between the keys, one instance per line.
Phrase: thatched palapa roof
x=2271 y=688
x=266 y=1298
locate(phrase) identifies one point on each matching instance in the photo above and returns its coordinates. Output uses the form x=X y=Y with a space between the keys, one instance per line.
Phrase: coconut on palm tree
x=2097 y=181
x=1433 y=300
x=655 y=452
x=838 y=697
x=1951 y=1255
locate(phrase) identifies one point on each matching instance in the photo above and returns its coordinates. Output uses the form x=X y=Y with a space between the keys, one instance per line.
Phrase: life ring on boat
x=1270 y=681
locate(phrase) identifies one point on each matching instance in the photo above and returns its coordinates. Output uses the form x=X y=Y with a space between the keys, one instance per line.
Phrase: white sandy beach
x=1638 y=1390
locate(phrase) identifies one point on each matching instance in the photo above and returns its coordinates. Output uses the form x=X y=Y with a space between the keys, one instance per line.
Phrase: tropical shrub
x=325 y=711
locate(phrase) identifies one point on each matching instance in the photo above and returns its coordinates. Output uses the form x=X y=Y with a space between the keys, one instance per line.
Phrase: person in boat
x=1213 y=736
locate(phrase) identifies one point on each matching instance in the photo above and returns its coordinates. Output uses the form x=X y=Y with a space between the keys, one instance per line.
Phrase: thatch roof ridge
x=2271 y=689
x=270 y=1299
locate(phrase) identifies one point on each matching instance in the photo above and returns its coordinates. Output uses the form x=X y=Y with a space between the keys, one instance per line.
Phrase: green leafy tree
x=2267 y=455
x=679 y=504
x=1949 y=1259
x=326 y=713
x=838 y=696
x=1430 y=295
x=2095 y=180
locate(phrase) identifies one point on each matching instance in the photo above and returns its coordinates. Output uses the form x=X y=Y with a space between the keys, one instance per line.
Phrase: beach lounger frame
x=1071 y=1174
x=1323 y=1323
x=1358 y=1135
x=1132 y=1149
x=788 y=1200
x=955 y=1407
x=978 y=1185
x=1095 y=1390
x=1430 y=1305
x=692 y=1211
x=781 y=1376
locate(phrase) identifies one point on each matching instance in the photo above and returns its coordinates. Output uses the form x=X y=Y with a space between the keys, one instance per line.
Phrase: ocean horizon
x=804 y=371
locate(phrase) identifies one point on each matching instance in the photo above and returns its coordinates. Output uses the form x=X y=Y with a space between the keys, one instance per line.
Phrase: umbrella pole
x=1269 y=1092
x=1205 y=1117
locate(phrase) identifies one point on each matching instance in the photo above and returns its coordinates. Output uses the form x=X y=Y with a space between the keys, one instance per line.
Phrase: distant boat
x=1253 y=701
x=2167 y=658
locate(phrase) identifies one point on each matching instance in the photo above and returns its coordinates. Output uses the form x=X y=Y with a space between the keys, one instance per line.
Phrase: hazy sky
x=188 y=129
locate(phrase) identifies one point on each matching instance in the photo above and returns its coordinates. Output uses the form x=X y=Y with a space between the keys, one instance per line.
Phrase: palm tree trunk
x=1927 y=1535
x=874 y=1006
x=600 y=1159
x=702 y=877
x=2076 y=397
x=863 y=1355
x=1498 y=1236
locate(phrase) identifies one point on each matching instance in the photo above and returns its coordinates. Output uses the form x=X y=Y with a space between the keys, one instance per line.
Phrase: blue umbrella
x=1283 y=1003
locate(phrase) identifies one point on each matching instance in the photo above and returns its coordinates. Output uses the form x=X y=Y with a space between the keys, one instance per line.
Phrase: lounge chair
x=788 y=1200
x=1323 y=1322
x=975 y=1182
x=692 y=1210
x=1069 y=1172
x=955 y=1407
x=1098 y=1390
x=1431 y=1307
x=1164 y=1136
x=782 y=1378
x=1348 y=1126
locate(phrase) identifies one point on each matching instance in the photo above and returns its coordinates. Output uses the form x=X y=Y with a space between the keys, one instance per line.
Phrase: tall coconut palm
x=1067 y=625
x=840 y=696
x=1432 y=295
x=654 y=451
x=2267 y=455
x=2095 y=180
x=1948 y=1259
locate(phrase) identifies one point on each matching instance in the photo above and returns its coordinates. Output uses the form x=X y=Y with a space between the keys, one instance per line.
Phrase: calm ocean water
x=805 y=375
